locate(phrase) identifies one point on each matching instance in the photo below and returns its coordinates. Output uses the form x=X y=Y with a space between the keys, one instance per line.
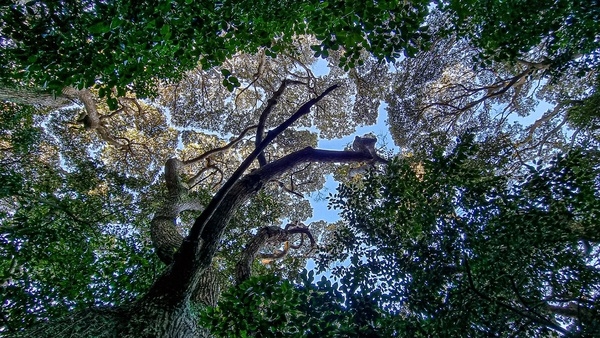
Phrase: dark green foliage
x=16 y=127
x=585 y=114
x=53 y=44
x=270 y=307
x=65 y=242
x=562 y=30
x=463 y=251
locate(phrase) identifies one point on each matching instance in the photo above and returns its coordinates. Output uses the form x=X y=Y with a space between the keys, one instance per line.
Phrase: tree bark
x=33 y=97
x=173 y=291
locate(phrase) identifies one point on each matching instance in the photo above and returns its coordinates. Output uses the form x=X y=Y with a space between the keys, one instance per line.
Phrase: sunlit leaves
x=269 y=306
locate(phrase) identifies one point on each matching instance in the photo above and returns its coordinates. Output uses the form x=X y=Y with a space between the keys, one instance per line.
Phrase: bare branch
x=255 y=76
x=286 y=189
x=192 y=182
x=220 y=149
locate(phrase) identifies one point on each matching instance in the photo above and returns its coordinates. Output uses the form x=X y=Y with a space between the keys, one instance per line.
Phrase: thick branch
x=92 y=119
x=252 y=183
x=166 y=239
x=260 y=130
x=243 y=268
x=33 y=97
x=183 y=275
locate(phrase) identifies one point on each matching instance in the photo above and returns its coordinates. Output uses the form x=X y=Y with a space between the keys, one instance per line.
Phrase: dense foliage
x=270 y=307
x=564 y=32
x=125 y=43
x=70 y=235
x=458 y=249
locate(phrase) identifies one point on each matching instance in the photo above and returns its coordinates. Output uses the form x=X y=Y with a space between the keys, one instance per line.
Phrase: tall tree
x=166 y=309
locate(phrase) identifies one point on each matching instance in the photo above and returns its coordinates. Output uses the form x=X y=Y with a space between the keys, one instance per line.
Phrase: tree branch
x=263 y=236
x=220 y=149
x=193 y=257
x=260 y=130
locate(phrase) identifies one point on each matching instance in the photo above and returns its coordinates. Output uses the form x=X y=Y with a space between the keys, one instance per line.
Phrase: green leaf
x=165 y=31
x=116 y=22
x=99 y=28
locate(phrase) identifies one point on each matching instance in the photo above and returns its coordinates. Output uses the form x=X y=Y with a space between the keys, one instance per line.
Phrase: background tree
x=449 y=89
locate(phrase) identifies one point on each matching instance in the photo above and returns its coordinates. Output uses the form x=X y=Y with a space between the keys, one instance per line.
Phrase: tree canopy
x=160 y=159
x=130 y=44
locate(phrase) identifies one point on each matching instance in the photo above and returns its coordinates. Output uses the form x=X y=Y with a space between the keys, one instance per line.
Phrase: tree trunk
x=141 y=319
x=149 y=319
x=170 y=306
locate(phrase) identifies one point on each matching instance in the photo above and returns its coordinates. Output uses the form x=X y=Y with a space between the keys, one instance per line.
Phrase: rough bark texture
x=174 y=289
x=166 y=310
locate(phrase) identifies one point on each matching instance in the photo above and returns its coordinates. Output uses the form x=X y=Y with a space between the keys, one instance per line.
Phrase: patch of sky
x=320 y=68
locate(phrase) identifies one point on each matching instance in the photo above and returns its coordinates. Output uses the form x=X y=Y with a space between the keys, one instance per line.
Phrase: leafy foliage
x=460 y=238
x=564 y=31
x=45 y=42
x=17 y=131
x=267 y=306
x=65 y=236
x=461 y=250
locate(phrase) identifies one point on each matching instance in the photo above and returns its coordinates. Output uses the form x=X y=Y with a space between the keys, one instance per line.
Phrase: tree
x=188 y=278
x=446 y=89
x=54 y=233
x=457 y=249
